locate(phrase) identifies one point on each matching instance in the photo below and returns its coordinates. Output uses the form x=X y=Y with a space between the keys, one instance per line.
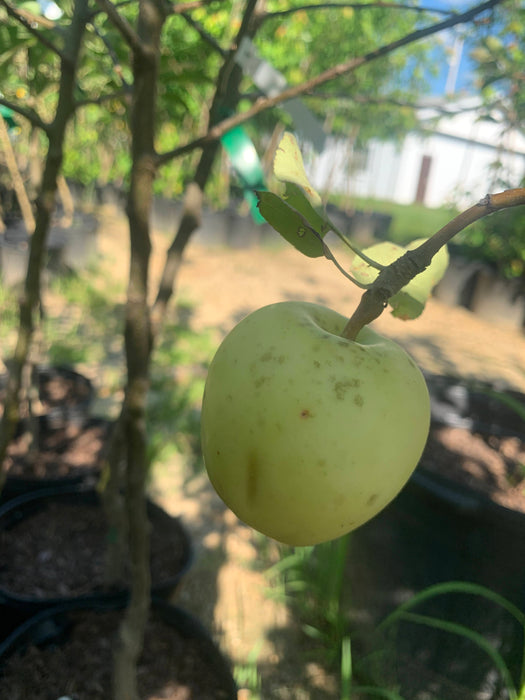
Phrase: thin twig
x=208 y=38
x=122 y=25
x=330 y=256
x=439 y=108
x=355 y=249
x=182 y=7
x=117 y=67
x=29 y=26
x=36 y=19
x=355 y=6
x=117 y=95
x=264 y=103
x=30 y=114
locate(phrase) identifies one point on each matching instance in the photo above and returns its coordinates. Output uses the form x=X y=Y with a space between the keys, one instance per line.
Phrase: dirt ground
x=226 y=587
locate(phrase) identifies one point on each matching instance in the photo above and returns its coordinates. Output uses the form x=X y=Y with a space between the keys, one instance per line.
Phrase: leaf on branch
x=291 y=224
x=408 y=303
x=288 y=166
x=295 y=197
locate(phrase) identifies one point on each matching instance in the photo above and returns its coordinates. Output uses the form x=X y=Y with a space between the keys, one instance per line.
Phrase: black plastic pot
x=49 y=631
x=428 y=536
x=474 y=405
x=74 y=406
x=436 y=531
x=476 y=408
x=66 y=395
x=89 y=560
x=55 y=441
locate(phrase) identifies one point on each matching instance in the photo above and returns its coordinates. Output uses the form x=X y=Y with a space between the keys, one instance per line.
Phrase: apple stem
x=395 y=276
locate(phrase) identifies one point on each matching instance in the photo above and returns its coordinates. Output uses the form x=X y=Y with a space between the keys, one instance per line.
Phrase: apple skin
x=306 y=434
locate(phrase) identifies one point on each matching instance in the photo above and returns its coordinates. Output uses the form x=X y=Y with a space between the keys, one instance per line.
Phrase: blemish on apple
x=342 y=386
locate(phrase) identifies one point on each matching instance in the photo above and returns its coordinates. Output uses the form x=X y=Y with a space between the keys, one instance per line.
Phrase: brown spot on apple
x=306 y=413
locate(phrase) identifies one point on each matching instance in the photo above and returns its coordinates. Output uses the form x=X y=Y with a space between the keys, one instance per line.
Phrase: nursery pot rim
x=187 y=625
x=87 y=495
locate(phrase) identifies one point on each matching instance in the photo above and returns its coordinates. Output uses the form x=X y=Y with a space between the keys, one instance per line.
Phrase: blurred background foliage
x=378 y=101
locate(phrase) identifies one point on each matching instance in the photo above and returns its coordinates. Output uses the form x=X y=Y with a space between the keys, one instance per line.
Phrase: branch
x=26 y=112
x=208 y=38
x=226 y=97
x=113 y=55
x=355 y=6
x=126 y=91
x=264 y=103
x=29 y=26
x=36 y=19
x=394 y=277
x=122 y=25
x=395 y=102
x=183 y=7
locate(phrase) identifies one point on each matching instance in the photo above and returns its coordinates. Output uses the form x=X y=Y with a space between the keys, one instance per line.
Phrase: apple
x=306 y=434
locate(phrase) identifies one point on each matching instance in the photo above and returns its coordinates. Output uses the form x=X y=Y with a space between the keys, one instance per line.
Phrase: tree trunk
x=225 y=100
x=138 y=345
x=45 y=203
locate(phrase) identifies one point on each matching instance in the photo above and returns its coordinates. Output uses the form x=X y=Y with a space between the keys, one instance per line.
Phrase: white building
x=451 y=162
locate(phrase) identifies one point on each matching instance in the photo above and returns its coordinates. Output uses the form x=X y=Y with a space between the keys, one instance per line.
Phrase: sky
x=460 y=77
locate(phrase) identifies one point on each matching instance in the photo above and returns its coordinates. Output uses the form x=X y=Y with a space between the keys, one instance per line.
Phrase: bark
x=18 y=183
x=67 y=202
x=45 y=204
x=225 y=100
x=138 y=345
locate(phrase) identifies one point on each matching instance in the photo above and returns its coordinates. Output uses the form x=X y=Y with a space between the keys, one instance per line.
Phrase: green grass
x=409 y=221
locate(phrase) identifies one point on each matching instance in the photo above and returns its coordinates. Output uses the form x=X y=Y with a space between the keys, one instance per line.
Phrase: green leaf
x=288 y=166
x=474 y=637
x=290 y=224
x=295 y=197
x=410 y=301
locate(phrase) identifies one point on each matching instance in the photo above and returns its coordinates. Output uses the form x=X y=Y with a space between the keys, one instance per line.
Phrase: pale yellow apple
x=306 y=435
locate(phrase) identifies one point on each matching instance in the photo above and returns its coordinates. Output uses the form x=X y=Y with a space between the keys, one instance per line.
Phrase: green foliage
x=310 y=580
x=499 y=59
x=296 y=215
x=291 y=224
x=352 y=33
x=247 y=676
x=498 y=240
x=98 y=141
x=410 y=301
